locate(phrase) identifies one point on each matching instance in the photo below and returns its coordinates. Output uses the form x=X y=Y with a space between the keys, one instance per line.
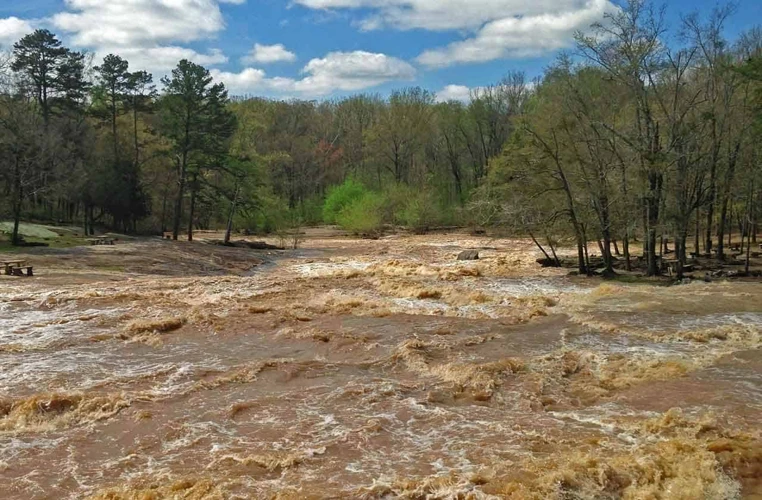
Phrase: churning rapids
x=371 y=369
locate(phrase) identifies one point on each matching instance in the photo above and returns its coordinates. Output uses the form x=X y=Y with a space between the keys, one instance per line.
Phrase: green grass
x=28 y=230
x=118 y=269
x=35 y=233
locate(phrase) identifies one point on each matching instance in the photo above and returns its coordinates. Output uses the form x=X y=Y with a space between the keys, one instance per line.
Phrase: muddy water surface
x=378 y=369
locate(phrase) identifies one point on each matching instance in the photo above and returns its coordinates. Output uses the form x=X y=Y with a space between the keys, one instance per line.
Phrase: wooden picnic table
x=14 y=262
x=671 y=266
x=14 y=267
x=101 y=240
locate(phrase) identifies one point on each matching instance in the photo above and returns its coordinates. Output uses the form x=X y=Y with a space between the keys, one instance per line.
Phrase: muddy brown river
x=371 y=369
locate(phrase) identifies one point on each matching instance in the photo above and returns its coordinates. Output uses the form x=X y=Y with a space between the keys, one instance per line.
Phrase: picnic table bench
x=101 y=240
x=17 y=267
x=671 y=266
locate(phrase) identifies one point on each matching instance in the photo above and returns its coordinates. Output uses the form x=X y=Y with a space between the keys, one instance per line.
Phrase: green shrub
x=420 y=212
x=364 y=215
x=397 y=197
x=311 y=211
x=267 y=214
x=340 y=197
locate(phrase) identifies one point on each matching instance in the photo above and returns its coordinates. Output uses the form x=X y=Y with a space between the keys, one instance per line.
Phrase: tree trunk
x=18 y=193
x=586 y=255
x=229 y=228
x=681 y=243
x=712 y=196
x=192 y=209
x=15 y=239
x=179 y=201
x=135 y=132
x=749 y=225
x=113 y=127
x=721 y=228
x=454 y=168
x=92 y=220
x=651 y=253
x=537 y=243
x=646 y=233
x=696 y=243
x=553 y=251
x=607 y=257
x=725 y=202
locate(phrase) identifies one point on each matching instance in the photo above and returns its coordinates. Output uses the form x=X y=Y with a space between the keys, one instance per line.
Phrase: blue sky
x=325 y=48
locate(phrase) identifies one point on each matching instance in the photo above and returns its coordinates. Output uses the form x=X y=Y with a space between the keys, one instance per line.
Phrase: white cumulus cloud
x=514 y=37
x=454 y=93
x=247 y=81
x=493 y=29
x=148 y=33
x=352 y=71
x=266 y=54
x=12 y=29
x=160 y=60
x=139 y=23
x=444 y=14
x=337 y=71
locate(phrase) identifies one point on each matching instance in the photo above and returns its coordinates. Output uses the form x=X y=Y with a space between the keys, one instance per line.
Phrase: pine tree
x=114 y=81
x=54 y=73
x=195 y=119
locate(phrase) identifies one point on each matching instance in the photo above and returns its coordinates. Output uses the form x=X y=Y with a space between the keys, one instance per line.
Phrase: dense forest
x=644 y=133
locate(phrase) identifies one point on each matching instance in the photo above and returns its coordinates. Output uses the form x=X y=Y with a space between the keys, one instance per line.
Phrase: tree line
x=644 y=133
x=651 y=133
x=96 y=144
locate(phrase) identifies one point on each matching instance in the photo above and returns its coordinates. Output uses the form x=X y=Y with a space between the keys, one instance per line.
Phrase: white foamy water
x=654 y=321
x=529 y=287
x=323 y=269
x=692 y=321
x=31 y=327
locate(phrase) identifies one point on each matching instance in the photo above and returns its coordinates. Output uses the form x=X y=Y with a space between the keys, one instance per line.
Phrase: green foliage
x=561 y=157
x=396 y=197
x=269 y=215
x=340 y=197
x=419 y=209
x=363 y=215
x=311 y=211
x=55 y=72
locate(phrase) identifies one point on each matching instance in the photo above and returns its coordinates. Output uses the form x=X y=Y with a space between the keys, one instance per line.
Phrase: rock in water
x=469 y=255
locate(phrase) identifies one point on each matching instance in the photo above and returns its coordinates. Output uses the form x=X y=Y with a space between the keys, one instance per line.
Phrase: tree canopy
x=643 y=133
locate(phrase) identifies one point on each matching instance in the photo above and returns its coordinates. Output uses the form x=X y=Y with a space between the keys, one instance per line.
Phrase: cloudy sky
x=324 y=48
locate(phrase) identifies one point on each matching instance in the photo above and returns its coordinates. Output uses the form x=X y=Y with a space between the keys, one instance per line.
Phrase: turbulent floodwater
x=372 y=370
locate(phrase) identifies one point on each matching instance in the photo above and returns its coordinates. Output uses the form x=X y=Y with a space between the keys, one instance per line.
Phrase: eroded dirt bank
x=371 y=369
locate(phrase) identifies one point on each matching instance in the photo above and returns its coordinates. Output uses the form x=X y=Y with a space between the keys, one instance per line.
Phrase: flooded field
x=371 y=369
